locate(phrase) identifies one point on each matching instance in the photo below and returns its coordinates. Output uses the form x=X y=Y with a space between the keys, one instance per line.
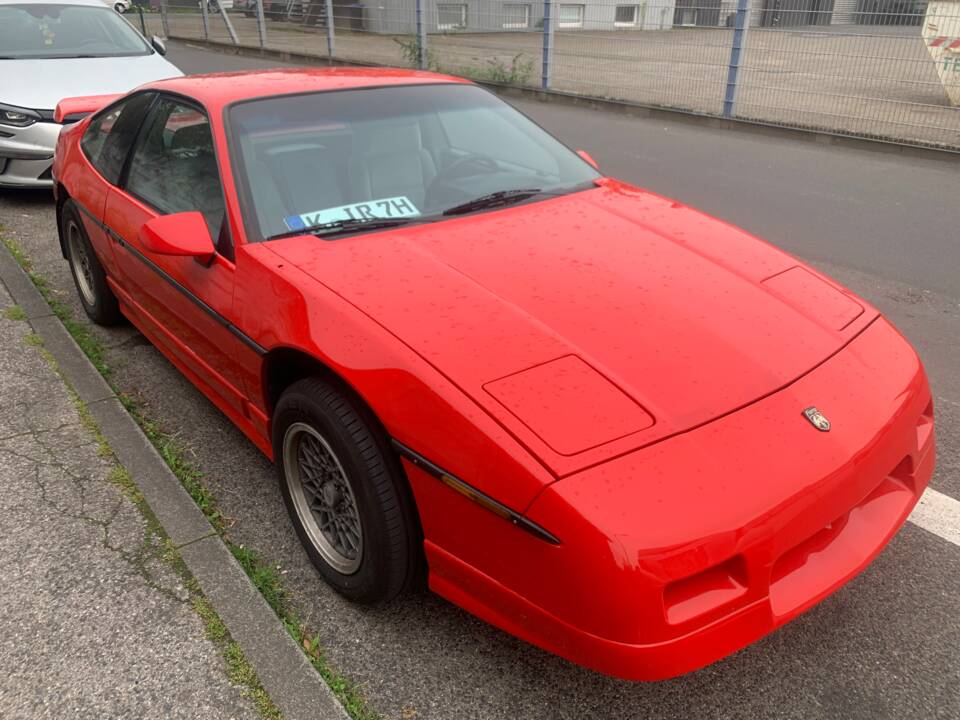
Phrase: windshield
x=391 y=155
x=65 y=31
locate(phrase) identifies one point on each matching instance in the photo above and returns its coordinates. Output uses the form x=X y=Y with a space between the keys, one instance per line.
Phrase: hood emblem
x=817 y=419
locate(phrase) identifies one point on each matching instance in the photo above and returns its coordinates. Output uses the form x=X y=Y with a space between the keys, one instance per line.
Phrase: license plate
x=395 y=207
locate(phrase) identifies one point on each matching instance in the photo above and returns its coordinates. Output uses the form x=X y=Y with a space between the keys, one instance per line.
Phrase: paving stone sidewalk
x=94 y=622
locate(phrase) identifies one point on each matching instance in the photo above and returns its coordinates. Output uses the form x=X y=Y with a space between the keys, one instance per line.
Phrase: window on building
x=626 y=15
x=686 y=13
x=451 y=16
x=516 y=16
x=570 y=16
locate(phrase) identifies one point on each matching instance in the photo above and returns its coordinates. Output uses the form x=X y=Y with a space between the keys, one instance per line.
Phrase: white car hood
x=41 y=84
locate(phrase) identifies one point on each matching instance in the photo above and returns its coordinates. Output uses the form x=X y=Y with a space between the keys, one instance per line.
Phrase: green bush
x=518 y=72
x=410 y=49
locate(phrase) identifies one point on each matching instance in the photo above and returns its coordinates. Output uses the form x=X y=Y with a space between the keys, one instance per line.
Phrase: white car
x=52 y=49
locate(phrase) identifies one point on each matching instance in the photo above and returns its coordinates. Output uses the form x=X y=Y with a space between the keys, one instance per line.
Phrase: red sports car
x=609 y=424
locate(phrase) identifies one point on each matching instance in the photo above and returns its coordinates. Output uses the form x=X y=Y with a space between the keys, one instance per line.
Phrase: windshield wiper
x=339 y=227
x=494 y=199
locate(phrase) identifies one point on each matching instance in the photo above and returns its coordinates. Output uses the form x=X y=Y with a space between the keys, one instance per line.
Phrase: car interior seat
x=194 y=165
x=389 y=160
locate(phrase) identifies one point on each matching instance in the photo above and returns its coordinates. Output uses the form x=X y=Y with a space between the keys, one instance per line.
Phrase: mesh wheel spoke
x=323 y=498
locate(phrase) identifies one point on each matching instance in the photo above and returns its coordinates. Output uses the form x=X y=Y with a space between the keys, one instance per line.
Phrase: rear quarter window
x=111 y=133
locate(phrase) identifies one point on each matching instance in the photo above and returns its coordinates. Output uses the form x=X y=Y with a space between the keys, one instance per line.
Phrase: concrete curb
x=822 y=137
x=284 y=671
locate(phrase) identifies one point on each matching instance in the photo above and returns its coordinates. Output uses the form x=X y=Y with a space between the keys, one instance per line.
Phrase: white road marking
x=939 y=514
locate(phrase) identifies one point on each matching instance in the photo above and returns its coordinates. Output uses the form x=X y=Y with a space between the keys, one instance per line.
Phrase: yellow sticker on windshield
x=395 y=207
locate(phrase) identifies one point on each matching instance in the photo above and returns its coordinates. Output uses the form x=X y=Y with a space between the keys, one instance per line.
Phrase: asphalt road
x=885 y=646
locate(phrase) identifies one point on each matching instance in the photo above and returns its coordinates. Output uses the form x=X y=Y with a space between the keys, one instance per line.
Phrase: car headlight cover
x=18 y=116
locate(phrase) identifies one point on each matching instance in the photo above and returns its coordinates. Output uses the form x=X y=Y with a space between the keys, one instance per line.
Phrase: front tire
x=96 y=297
x=345 y=493
x=120 y=8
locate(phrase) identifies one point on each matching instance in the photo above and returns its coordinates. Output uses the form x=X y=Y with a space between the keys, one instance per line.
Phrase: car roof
x=216 y=90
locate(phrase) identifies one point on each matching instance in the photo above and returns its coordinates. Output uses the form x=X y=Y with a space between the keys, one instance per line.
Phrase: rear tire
x=345 y=493
x=97 y=298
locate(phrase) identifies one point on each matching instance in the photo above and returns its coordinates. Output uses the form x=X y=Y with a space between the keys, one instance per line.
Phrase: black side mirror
x=159 y=45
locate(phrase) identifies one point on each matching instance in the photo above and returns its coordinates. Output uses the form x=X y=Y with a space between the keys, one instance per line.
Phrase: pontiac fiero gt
x=607 y=423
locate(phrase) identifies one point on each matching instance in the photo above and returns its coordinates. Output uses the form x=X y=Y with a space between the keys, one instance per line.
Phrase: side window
x=173 y=167
x=111 y=133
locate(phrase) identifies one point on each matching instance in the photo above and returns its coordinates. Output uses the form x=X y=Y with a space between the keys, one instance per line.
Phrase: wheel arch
x=283 y=366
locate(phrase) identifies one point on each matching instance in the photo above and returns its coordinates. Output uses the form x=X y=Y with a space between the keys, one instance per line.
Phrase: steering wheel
x=487 y=164
x=440 y=192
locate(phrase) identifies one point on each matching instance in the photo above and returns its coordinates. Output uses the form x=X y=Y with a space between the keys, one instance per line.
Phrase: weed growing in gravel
x=176 y=459
x=121 y=478
x=14 y=312
x=238 y=669
x=267 y=580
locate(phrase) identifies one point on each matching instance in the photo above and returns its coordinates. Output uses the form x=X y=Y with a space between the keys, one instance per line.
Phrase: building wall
x=844 y=12
x=399 y=16
x=647 y=15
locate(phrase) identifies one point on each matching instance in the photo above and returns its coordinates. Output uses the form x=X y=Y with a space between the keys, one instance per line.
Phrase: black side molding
x=245 y=339
x=471 y=493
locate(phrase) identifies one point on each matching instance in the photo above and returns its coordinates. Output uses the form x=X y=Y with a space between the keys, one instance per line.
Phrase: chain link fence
x=885 y=69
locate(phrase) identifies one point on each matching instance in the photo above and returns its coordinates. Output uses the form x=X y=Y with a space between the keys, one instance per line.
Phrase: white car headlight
x=17 y=116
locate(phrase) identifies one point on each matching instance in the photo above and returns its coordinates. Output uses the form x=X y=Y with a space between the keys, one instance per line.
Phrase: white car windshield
x=330 y=162
x=37 y=31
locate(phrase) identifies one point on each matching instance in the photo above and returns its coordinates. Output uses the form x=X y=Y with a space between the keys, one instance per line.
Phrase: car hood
x=595 y=323
x=40 y=84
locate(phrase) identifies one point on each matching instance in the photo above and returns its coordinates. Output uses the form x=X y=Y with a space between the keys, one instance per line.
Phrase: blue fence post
x=741 y=22
x=261 y=24
x=331 y=51
x=164 y=19
x=547 y=64
x=423 y=60
x=203 y=19
x=226 y=21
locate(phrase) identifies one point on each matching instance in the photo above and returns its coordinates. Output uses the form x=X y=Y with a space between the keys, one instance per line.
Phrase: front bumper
x=679 y=554
x=26 y=154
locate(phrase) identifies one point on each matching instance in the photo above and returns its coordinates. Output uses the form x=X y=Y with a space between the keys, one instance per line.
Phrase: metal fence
x=887 y=69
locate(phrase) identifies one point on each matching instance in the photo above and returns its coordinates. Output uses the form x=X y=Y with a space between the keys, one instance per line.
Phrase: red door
x=182 y=305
